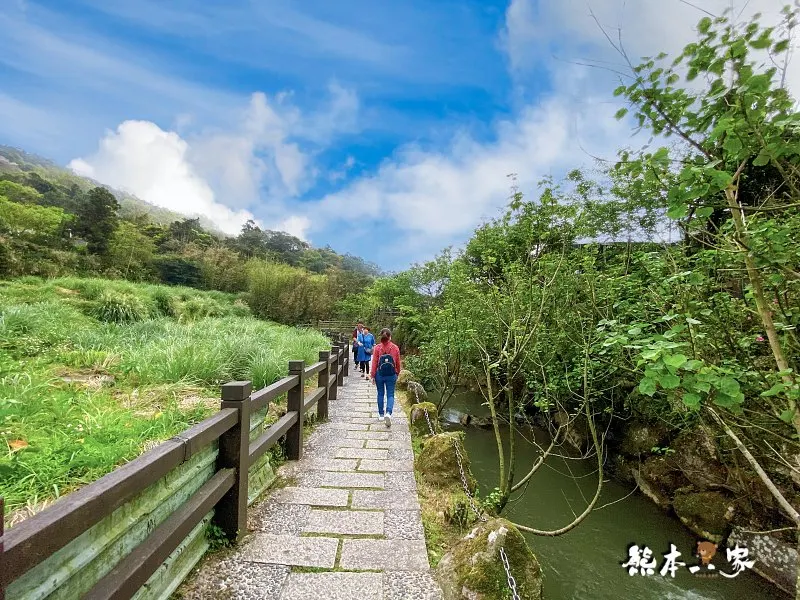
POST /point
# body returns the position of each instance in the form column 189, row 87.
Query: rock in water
column 404, row 378
column 416, row 393
column 473, row 569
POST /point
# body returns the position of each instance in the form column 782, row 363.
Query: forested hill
column 53, row 222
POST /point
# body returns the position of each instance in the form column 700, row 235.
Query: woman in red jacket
column 384, row 371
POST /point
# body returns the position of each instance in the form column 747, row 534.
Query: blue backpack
column 386, row 365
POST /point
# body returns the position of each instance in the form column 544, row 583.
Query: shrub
column 164, row 302
column 198, row 308
column 115, row 307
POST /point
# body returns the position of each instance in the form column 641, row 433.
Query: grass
column 93, row 372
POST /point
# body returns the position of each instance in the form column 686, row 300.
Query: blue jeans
column 385, row 388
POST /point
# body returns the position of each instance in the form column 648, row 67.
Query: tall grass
column 159, row 344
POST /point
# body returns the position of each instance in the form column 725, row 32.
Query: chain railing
column 512, row 583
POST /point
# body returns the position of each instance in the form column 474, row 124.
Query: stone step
column 345, row 522
column 291, row 550
column 333, row 586
column 311, row 496
column 384, row 555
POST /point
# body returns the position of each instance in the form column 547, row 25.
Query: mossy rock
column 438, row 465
column 708, row 514
column 419, row 424
column 474, row 570
column 404, row 378
column 416, row 393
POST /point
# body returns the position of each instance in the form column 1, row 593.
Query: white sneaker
column 380, row 418
column 387, row 420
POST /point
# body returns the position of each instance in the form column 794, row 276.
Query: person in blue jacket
column 366, row 343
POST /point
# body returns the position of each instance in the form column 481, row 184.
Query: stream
column 586, row 563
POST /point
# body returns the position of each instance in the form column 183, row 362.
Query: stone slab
column 345, row 522
column 386, row 465
column 311, row 496
column 395, row 499
column 235, row 579
column 368, row 435
column 335, row 441
column 326, row 464
column 334, row 586
column 386, row 444
column 348, row 426
column 407, row 585
column 384, row 555
column 291, row 550
column 370, row 453
column 272, row 517
column 400, row 480
column 351, row 480
column 403, row 525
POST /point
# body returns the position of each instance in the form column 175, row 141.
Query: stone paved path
column 349, row 528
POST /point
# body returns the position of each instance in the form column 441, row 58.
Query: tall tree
column 97, row 219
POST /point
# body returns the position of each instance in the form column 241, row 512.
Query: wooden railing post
column 322, row 381
column 234, row 452
column 2, row 545
column 340, row 363
column 334, row 392
column 347, row 352
column 294, row 401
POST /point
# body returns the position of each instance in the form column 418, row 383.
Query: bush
column 115, row 307
column 164, row 302
column 198, row 308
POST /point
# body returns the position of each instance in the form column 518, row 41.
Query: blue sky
column 385, row 129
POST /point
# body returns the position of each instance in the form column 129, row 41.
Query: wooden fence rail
column 43, row 535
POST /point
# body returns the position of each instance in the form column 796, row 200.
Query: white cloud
column 436, row 197
column 144, row 160
column 258, row 164
column 646, row 27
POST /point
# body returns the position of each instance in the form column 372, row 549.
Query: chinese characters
column 642, row 561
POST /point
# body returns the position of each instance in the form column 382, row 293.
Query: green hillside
column 54, row 224
column 93, row 372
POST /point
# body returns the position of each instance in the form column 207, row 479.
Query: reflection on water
column 585, row 564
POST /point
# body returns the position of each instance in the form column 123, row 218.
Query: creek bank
column 466, row 554
column 694, row 477
column 713, row 493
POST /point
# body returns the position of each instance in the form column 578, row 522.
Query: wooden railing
column 40, row 537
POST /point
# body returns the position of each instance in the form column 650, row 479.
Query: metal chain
column 512, row 583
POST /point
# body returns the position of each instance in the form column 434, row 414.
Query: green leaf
column 704, row 25
column 620, row 90
column 774, row 390
column 693, row 365
column 677, row 211
column 733, row 144
column 691, row 400
column 724, row 400
column 761, row 160
column 781, row 46
column 621, row 113
column 647, row 386
column 704, row 212
column 729, row 386
column 675, row 360
column 669, row 381
column 787, row 416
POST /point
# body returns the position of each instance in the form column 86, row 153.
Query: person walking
column 356, row 331
column 383, row 373
column 366, row 343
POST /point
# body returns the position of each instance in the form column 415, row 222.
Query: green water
column 585, row 563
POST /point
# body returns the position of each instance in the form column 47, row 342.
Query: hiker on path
column 356, row 331
column 384, row 371
column 366, row 343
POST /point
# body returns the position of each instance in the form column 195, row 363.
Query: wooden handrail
column 36, row 539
